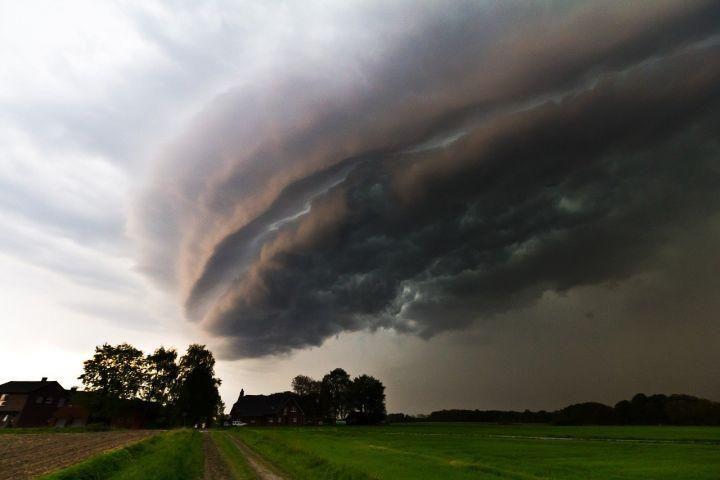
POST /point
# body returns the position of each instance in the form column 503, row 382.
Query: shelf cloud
column 447, row 164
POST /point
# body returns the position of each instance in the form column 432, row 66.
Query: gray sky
column 485, row 204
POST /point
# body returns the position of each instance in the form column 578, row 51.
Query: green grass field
column 472, row 451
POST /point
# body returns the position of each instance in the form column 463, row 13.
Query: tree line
column 184, row 390
column 179, row 391
column 640, row 410
column 360, row 400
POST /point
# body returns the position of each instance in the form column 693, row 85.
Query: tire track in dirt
column 215, row 466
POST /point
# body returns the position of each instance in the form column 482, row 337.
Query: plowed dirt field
column 24, row 456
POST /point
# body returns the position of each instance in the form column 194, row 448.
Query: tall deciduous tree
column 198, row 399
column 161, row 375
column 367, row 399
column 115, row 371
column 303, row 385
column 335, row 391
column 308, row 391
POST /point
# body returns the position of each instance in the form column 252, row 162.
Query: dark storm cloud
column 582, row 144
column 551, row 198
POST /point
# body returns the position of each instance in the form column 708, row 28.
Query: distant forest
column 641, row 410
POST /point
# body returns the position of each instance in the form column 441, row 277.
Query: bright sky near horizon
column 407, row 190
column 89, row 91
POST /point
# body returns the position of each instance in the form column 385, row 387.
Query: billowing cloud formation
column 474, row 158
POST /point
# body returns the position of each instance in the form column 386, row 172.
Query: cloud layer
column 440, row 167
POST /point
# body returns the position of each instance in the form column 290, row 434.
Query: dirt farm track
column 24, row 456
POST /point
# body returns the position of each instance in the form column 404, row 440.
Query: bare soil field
column 24, row 456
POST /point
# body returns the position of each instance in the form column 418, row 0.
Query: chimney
column 44, row 379
column 242, row 393
column 73, row 389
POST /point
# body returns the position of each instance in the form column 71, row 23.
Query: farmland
column 26, row 455
column 176, row 455
column 463, row 451
column 411, row 451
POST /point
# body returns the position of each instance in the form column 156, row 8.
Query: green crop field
column 471, row 451
column 412, row 451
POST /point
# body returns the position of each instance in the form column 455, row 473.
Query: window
column 49, row 400
column 61, row 402
column 271, row 420
column 3, row 399
column 292, row 409
column 6, row 418
column 294, row 419
column 38, row 399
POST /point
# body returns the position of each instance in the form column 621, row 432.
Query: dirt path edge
column 215, row 466
column 260, row 466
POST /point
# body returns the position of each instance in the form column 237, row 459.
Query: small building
column 30, row 403
column 85, row 407
column 135, row 414
column 74, row 413
column 271, row 410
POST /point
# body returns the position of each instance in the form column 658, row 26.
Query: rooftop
column 259, row 405
column 26, row 386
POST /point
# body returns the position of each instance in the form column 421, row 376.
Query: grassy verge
column 233, row 457
column 171, row 456
column 299, row 463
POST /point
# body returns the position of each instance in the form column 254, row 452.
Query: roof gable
column 26, row 387
column 259, row 405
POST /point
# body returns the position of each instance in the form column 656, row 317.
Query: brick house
column 73, row 414
column 271, row 410
column 31, row 403
column 84, row 407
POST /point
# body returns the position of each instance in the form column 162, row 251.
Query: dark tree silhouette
column 161, row 373
column 303, row 385
column 198, row 399
column 115, row 371
column 367, row 400
column 337, row 397
column 308, row 392
column 335, row 390
column 640, row 410
column 588, row 413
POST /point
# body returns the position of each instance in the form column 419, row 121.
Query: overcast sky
column 485, row 204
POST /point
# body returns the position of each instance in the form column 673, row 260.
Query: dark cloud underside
column 470, row 169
